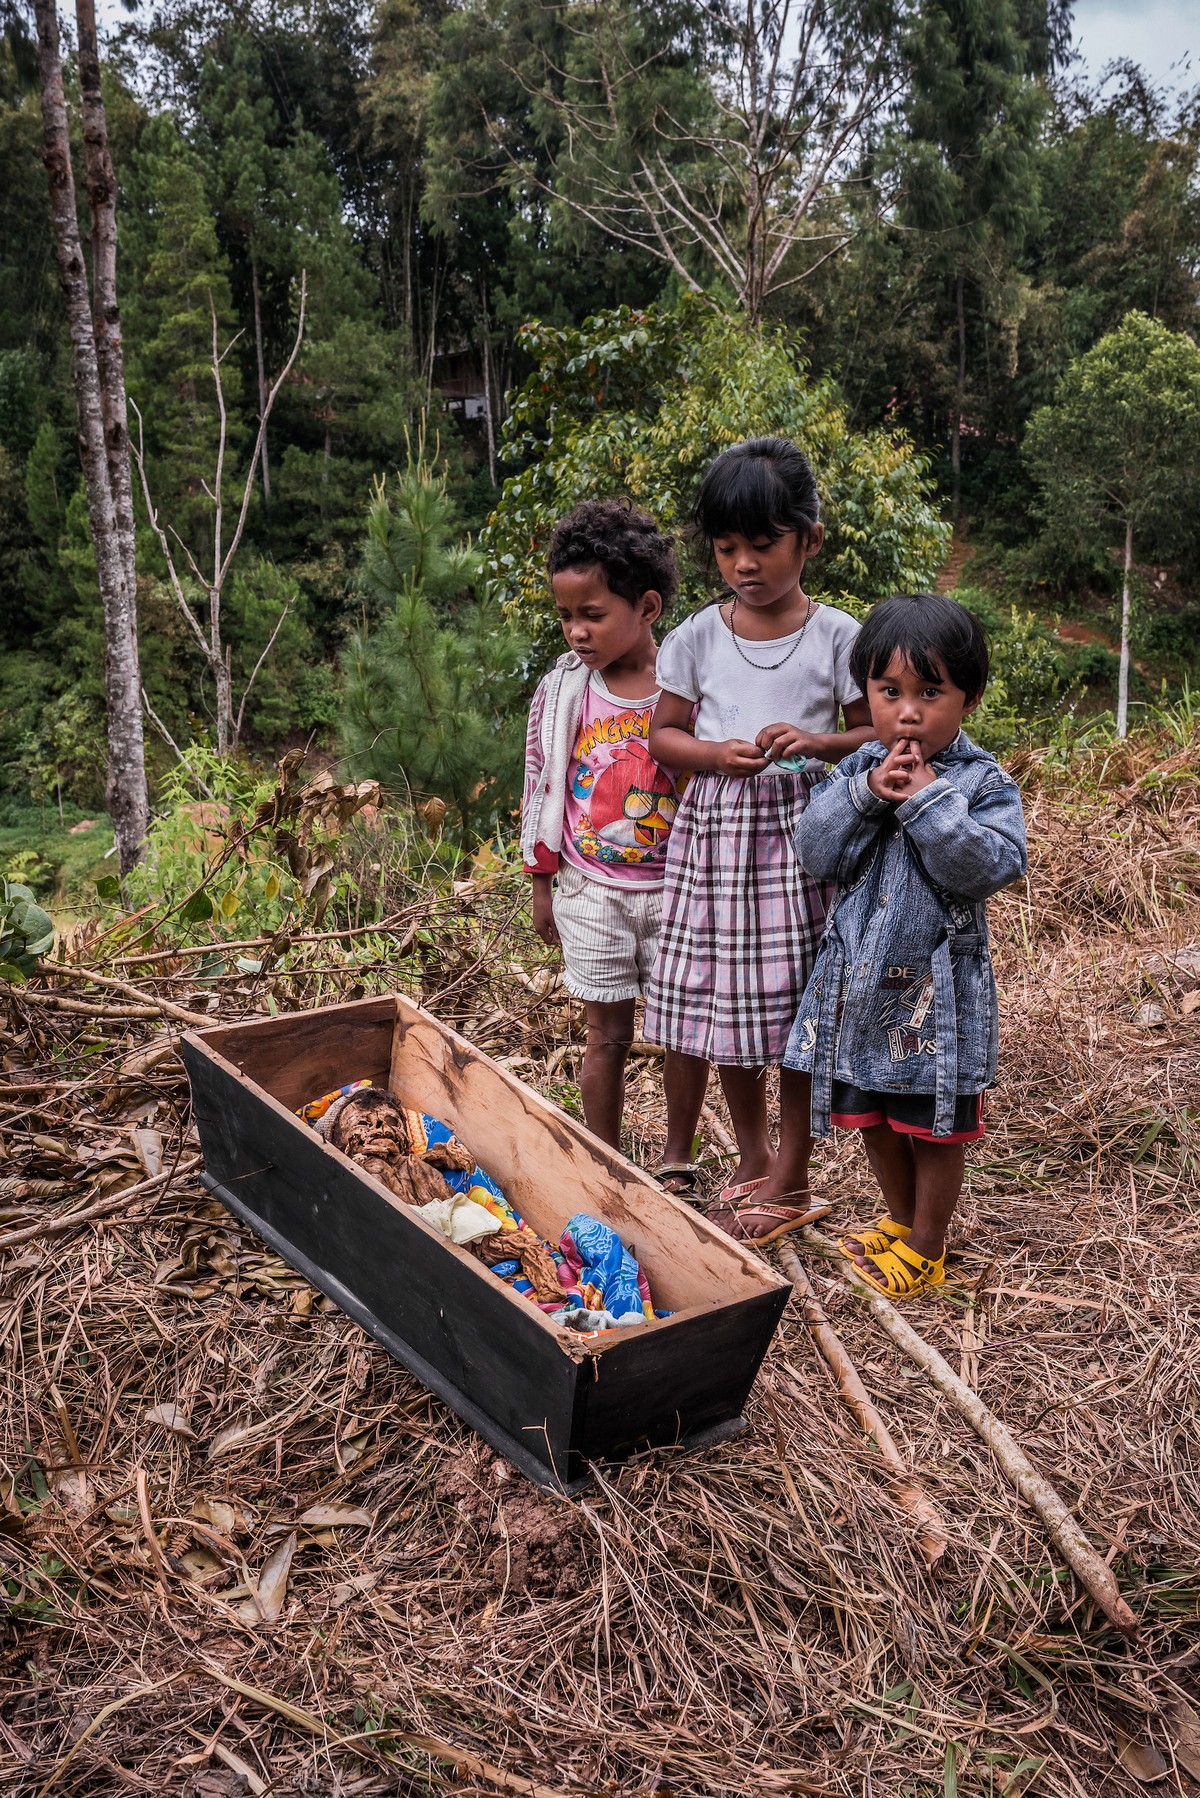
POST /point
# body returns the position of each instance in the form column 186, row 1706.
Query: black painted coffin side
column 676, row 1384
column 484, row 1350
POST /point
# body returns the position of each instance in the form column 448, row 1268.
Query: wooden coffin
column 551, row 1402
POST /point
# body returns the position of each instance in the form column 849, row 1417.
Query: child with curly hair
column 597, row 808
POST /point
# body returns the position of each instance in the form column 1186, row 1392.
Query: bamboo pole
column 1094, row 1574
column 88, row 1008
column 932, row 1534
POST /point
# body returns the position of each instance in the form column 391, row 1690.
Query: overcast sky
column 1158, row 34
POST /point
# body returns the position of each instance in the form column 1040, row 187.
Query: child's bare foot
column 901, row 1271
column 887, row 1230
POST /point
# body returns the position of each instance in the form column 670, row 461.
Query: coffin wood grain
column 550, row 1167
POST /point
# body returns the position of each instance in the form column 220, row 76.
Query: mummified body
column 370, row 1127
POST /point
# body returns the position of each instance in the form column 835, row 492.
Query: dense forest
column 524, row 252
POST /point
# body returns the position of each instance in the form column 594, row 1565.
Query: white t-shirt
column 699, row 660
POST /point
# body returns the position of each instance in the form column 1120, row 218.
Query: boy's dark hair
column 760, row 488
column 936, row 636
column 625, row 544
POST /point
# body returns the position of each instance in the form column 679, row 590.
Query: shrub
column 638, row 403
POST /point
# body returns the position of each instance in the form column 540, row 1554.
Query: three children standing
column 891, row 1028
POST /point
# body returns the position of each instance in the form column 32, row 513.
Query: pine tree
column 184, row 281
column 432, row 696
column 242, row 134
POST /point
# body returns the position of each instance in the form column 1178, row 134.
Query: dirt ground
column 246, row 1552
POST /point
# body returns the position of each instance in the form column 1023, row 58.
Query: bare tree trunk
column 487, row 385
column 431, row 347
column 100, row 402
column 1126, row 609
column 217, row 653
column 409, row 322
column 106, row 314
column 223, row 677
column 959, row 393
column 262, row 377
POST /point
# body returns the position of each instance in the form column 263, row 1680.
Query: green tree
column 1120, row 221
column 432, row 694
column 969, row 163
column 242, row 153
column 31, row 309
column 183, row 281
column 704, row 137
column 639, row 403
column 1121, row 445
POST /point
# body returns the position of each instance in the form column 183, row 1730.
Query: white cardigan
column 550, row 742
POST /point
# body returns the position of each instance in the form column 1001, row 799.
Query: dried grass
column 753, row 1619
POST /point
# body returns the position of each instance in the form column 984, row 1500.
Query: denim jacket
column 902, row 996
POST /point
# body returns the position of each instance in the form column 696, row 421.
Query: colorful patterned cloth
column 425, row 1132
column 597, row 1273
column 605, row 1274
column 315, row 1110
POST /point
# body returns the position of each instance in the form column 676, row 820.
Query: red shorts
column 910, row 1114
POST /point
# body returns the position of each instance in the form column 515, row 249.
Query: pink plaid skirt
column 741, row 922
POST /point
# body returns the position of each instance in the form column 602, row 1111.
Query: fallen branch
column 720, row 1134
column 932, row 1534
column 85, row 1008
column 1094, row 1574
column 384, row 927
column 56, row 1226
column 192, row 1018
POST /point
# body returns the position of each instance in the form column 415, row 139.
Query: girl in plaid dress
column 751, row 695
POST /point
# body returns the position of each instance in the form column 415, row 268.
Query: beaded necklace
column 769, row 667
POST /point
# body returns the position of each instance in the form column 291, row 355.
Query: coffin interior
column 548, row 1165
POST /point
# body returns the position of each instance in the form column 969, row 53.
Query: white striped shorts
column 609, row 935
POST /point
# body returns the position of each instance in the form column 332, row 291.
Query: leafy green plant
column 26, row 931
column 233, row 853
column 1031, row 678
column 638, row 403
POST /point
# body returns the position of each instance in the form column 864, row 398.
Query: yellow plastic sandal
column 901, row 1274
column 878, row 1237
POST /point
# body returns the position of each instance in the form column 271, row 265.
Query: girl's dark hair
column 936, row 636
column 625, row 544
column 761, row 488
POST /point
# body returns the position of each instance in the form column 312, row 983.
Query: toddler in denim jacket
column 898, row 1024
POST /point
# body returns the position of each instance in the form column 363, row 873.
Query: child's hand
column 893, row 779
column 543, row 910
column 786, row 743
column 738, row 757
column 922, row 775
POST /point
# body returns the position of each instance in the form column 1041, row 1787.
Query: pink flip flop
column 728, row 1199
column 731, row 1195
